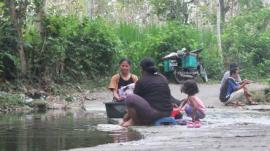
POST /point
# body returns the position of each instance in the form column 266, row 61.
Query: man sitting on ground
column 231, row 90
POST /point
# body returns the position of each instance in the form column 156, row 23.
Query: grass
column 137, row 41
column 262, row 96
column 10, row 101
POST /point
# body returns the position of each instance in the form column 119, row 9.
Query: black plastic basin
column 115, row 109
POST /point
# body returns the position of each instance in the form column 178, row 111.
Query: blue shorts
column 198, row 114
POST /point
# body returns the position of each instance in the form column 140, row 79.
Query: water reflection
column 123, row 136
column 55, row 130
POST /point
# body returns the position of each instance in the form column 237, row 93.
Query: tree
column 171, row 9
column 224, row 8
column 17, row 10
column 40, row 14
column 219, row 28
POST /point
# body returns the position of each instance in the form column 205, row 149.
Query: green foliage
column 10, row 101
column 249, row 5
column 246, row 41
column 177, row 36
column 157, row 41
column 8, row 41
column 170, row 9
column 71, row 49
column 268, row 81
column 136, row 41
column 92, row 49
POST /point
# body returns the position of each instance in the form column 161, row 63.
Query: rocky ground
column 224, row 128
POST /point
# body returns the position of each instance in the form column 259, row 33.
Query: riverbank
column 20, row 102
column 24, row 96
column 224, row 128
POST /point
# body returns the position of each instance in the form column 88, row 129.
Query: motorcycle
column 184, row 65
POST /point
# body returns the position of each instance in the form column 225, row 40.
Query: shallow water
column 223, row 117
column 56, row 130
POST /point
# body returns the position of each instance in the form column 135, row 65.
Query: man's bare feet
column 252, row 103
column 235, row 104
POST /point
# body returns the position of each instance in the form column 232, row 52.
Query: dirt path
column 224, row 128
column 208, row 93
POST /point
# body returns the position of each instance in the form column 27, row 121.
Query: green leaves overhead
column 246, row 41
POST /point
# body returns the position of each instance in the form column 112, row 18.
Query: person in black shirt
column 151, row 99
column 122, row 79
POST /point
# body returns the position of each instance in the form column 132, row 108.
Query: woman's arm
column 113, row 86
column 183, row 103
column 116, row 95
column 134, row 78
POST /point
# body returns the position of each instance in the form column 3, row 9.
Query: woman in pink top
column 194, row 107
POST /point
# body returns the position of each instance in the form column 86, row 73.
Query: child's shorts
column 198, row 114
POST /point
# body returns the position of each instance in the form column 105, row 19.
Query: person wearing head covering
column 151, row 99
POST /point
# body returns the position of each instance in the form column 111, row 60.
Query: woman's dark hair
column 125, row 59
column 190, row 87
column 148, row 65
column 233, row 71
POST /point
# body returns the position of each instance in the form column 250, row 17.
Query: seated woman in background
column 151, row 99
column 122, row 79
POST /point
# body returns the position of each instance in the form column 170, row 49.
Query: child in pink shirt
column 193, row 105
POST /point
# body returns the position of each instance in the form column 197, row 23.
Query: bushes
column 71, row 48
column 92, row 50
column 7, row 46
column 10, row 101
column 137, row 42
column 158, row 40
column 246, row 41
column 67, row 48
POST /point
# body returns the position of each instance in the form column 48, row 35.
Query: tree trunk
column 40, row 11
column 91, row 7
column 219, row 30
column 18, row 28
column 222, row 10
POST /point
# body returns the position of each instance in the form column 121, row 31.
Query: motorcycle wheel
column 203, row 74
column 178, row 78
